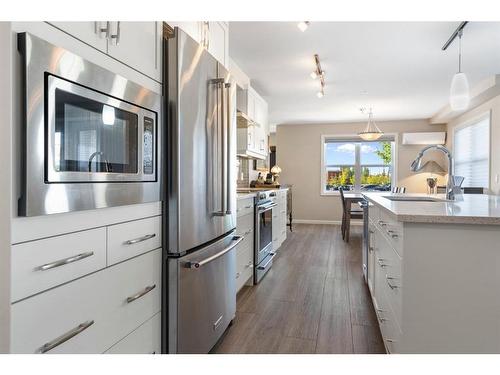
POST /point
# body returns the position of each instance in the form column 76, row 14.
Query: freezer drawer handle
column 63, row 338
column 140, row 239
column 267, row 263
column 64, row 261
column 140, row 294
column 195, row 265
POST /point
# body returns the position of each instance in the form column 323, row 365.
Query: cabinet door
column 137, row 44
column 218, row 42
column 193, row 29
column 88, row 32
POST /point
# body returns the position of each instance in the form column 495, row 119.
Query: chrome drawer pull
column 381, row 263
column 64, row 261
column 63, row 338
column 392, row 234
column 382, row 223
column 140, row 294
column 140, row 239
column 387, row 278
column 250, row 265
column 371, row 249
column 371, row 232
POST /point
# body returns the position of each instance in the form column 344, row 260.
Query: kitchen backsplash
column 246, row 173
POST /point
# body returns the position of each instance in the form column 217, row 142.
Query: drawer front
column 391, row 277
column 244, row 265
column 98, row 300
column 144, row 340
column 44, row 264
column 245, row 206
column 393, row 230
column 242, row 278
column 130, row 239
column 245, row 225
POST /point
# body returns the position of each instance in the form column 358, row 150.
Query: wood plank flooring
column 313, row 300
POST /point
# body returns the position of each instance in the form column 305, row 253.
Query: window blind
column 472, row 153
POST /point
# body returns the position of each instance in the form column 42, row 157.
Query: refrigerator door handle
column 229, row 209
column 224, row 136
column 195, row 265
column 215, row 155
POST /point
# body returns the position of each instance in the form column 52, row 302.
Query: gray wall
column 298, row 149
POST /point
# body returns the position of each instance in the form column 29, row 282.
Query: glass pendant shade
column 459, row 92
column 371, row 132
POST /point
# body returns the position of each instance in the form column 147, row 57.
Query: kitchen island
column 434, row 272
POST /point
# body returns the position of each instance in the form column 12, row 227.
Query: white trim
column 327, row 222
column 353, row 138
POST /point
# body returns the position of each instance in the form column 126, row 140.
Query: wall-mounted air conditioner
column 424, row 138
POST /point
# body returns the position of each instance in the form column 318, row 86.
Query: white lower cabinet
column 144, row 340
column 245, row 250
column 279, row 219
column 91, row 314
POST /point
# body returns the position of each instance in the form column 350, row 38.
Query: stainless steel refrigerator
column 199, row 291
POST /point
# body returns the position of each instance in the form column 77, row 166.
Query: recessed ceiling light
column 303, row 25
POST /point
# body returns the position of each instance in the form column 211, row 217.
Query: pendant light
column 459, row 90
column 371, row 132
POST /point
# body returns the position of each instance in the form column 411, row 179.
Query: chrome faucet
column 101, row 154
column 452, row 188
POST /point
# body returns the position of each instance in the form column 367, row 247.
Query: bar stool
column 347, row 214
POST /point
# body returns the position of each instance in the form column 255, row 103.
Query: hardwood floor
column 313, row 300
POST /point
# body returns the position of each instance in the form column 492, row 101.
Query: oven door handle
column 267, row 263
column 266, row 207
column 195, row 265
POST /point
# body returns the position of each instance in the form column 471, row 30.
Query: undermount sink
column 412, row 199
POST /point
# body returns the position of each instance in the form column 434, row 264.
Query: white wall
column 492, row 105
column 298, row 151
column 5, row 181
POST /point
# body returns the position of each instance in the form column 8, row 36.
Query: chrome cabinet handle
column 392, row 234
column 196, row 265
column 248, row 206
column 250, row 264
column 99, row 30
column 140, row 294
column 371, row 232
column 64, row 261
column 65, row 337
column 381, row 263
column 238, row 275
column 382, row 223
column 388, row 278
column 116, row 36
column 140, row 239
column 371, row 249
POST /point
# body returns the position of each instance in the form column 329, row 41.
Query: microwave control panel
column 148, row 146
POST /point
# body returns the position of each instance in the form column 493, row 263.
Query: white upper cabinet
column 218, row 41
column 137, row 44
column 193, row 29
column 90, row 32
column 214, row 36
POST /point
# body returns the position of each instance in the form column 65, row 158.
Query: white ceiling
column 398, row 68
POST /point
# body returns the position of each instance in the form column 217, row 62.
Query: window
column 357, row 166
column 471, row 151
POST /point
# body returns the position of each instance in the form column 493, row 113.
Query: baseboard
column 327, row 222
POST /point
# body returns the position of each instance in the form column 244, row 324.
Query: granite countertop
column 467, row 209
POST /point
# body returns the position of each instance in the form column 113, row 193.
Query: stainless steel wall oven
column 91, row 136
column 263, row 234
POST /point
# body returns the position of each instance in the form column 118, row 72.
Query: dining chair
column 347, row 214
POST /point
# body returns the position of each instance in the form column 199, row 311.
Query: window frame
column 470, row 122
column 354, row 138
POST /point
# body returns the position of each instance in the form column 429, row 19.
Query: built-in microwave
column 91, row 137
